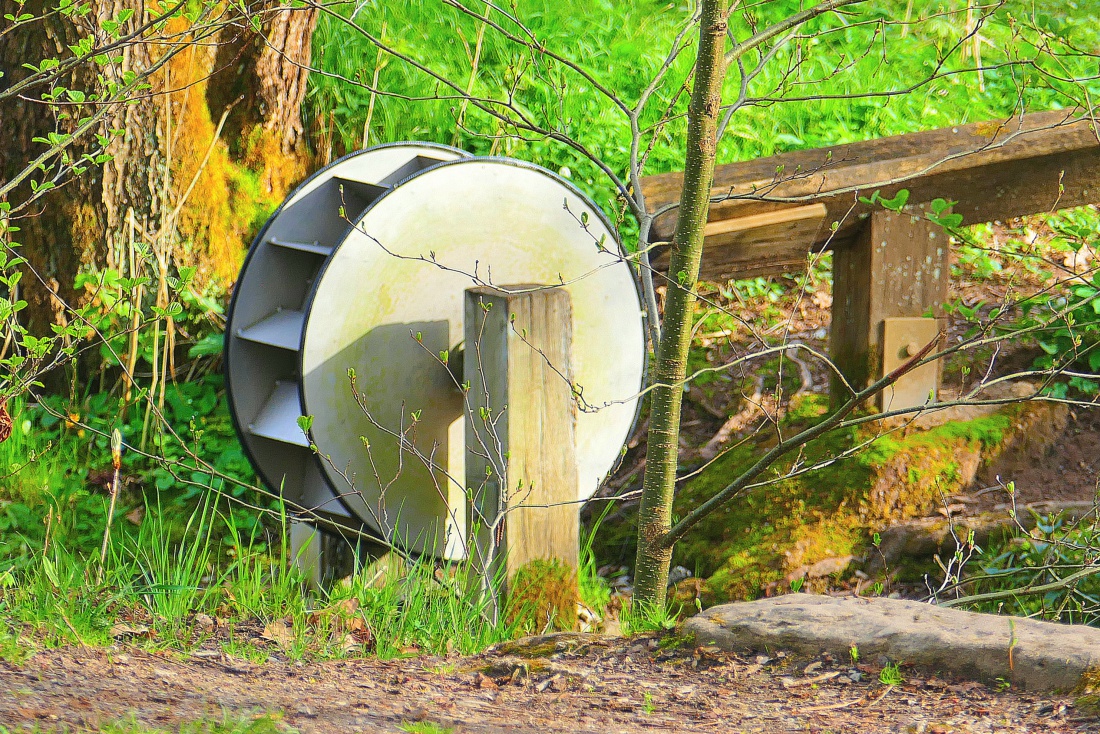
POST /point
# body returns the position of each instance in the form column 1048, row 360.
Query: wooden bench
column 768, row 214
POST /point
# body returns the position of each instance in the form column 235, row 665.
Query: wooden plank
column 995, row 170
column 849, row 328
column 759, row 240
column 909, row 263
column 517, row 363
column 898, row 266
column 902, row 339
column 800, row 218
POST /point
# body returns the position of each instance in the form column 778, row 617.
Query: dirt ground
column 1069, row 471
column 591, row 684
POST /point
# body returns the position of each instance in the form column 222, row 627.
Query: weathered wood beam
column 995, row 170
column 521, row 423
column 898, row 266
column 755, row 244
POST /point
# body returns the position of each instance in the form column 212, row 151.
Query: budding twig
column 116, row 462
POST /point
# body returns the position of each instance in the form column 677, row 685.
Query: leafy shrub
column 1052, row 552
column 58, row 461
column 1072, row 341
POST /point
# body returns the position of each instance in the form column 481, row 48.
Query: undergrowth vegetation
column 259, row 724
column 808, row 518
column 207, row 583
column 198, row 553
column 1039, row 574
column 190, row 562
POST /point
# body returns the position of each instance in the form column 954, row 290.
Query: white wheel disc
column 404, row 271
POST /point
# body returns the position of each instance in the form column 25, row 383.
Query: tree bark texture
column 177, row 179
column 655, row 514
column 74, row 226
column 262, row 76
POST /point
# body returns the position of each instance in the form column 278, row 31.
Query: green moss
column 988, row 430
column 544, row 646
column 1088, row 704
column 676, row 641
column 1088, row 692
column 238, row 178
column 1090, row 681
column 536, row 663
column 759, row 537
column 752, row 544
column 252, row 204
column 543, row 596
column 807, row 407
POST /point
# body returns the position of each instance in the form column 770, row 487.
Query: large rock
column 1042, row 656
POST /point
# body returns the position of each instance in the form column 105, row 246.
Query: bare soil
column 1069, row 471
column 593, row 684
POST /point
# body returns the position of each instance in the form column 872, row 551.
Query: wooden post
column 326, row 548
column 897, row 266
column 520, row 437
column 305, row 552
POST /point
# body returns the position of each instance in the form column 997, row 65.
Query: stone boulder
column 1029, row 654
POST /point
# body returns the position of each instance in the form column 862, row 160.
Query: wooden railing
column 767, row 214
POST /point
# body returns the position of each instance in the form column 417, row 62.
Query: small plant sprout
column 891, row 675
column 853, row 651
column 796, row 585
column 116, row 464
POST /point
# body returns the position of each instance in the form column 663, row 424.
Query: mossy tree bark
column 175, row 175
column 75, row 225
column 262, row 76
column 655, row 514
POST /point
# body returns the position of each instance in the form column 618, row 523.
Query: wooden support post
column 326, row 555
column 520, row 445
column 305, row 552
column 897, row 266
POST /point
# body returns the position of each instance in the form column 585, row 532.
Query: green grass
column 636, row 619
column 891, row 675
column 158, row 588
column 174, row 565
column 424, row 727
column 176, row 553
column 623, row 44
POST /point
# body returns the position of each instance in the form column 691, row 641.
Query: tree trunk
column 282, row 71
column 262, row 79
column 79, row 225
column 655, row 514
column 196, row 190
